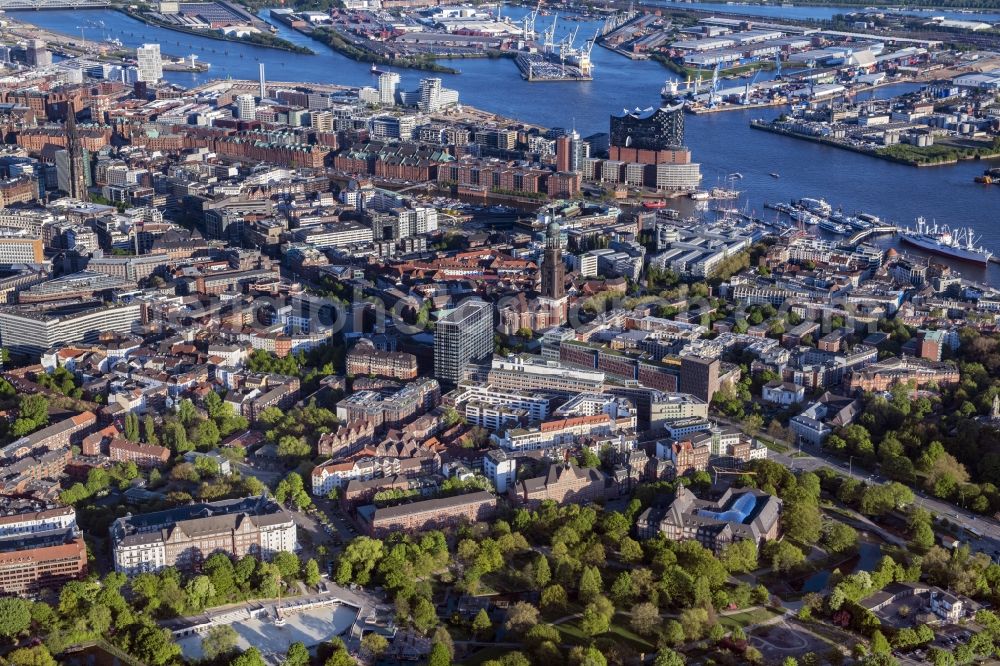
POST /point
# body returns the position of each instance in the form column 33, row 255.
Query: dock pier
column 885, row 229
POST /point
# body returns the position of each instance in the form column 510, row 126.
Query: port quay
column 722, row 142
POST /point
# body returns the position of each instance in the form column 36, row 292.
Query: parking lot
column 948, row 638
column 337, row 526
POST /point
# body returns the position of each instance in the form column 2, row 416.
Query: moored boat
column 953, row 243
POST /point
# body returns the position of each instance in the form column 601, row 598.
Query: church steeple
column 77, row 179
column 553, row 269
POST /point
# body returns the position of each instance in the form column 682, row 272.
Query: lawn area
column 619, row 632
column 484, row 655
column 773, row 445
column 746, row 618
column 623, row 633
column 938, row 153
column 572, row 634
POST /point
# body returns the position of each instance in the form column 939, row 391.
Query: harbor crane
column 746, row 92
column 550, row 35
column 581, row 56
column 566, row 43
column 529, row 25
column 715, row 85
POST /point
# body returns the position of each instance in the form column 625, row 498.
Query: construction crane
column 729, row 472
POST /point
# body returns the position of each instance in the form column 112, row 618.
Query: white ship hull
column 977, row 255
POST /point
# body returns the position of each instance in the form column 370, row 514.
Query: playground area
column 311, row 627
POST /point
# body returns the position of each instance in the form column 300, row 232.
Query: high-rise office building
column 38, row 54
column 462, row 336
column 430, row 95
column 246, row 107
column 563, row 156
column 700, row 376
column 149, row 62
column 387, row 84
column 262, row 92
column 579, row 150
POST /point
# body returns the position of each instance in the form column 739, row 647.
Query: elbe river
column 723, row 142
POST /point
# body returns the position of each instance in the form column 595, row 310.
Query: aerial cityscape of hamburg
column 515, row 333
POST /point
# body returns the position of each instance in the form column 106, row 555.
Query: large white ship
column 957, row 243
column 817, row 206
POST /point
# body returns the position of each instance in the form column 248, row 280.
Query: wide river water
column 809, row 12
column 723, row 142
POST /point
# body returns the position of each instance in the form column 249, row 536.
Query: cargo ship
column 957, row 244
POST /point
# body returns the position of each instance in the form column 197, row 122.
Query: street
column 814, row 458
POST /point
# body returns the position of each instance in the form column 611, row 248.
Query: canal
column 721, row 142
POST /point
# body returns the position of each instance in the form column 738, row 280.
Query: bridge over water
column 871, row 231
column 8, row 5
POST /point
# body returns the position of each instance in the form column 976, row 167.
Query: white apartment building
column 500, row 469
column 562, row 432
column 149, row 63
column 32, row 332
column 528, row 373
column 185, row 536
column 18, row 524
column 246, row 107
column 19, row 247
column 534, row 405
column 335, row 235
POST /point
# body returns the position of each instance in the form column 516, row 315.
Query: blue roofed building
column 739, row 514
